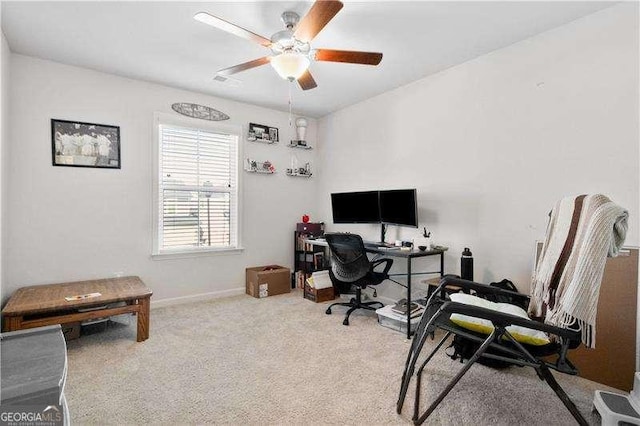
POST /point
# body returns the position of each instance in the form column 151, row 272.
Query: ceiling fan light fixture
column 291, row 52
column 290, row 65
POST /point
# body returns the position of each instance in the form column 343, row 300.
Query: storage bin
column 395, row 321
column 318, row 295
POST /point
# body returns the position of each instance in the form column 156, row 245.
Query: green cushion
column 480, row 325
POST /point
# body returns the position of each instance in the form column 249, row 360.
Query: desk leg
column 12, row 323
column 443, row 294
column 408, row 298
column 143, row 319
column 304, row 266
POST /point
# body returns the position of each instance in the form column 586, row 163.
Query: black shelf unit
column 307, row 258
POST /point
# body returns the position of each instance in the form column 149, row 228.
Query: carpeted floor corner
column 281, row 360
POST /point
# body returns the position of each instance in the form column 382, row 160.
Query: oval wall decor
column 199, row 111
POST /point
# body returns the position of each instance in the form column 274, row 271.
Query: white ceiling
column 160, row 42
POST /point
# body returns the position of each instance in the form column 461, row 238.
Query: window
column 197, row 190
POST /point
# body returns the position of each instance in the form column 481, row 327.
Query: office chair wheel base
column 346, row 321
column 328, row 311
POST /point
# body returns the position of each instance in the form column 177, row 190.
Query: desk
column 409, row 255
column 41, row 305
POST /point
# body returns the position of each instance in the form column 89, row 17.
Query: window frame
column 169, row 120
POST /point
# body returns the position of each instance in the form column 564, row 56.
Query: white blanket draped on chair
column 581, row 233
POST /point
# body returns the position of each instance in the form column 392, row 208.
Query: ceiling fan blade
column 348, row 56
column 306, row 81
column 221, row 24
column 313, row 22
column 245, row 66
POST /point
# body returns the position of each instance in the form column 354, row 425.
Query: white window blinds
column 197, row 189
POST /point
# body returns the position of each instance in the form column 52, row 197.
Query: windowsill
column 168, row 255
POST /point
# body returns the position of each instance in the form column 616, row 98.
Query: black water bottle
column 466, row 265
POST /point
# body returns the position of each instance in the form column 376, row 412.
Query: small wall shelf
column 260, row 172
column 259, row 140
column 300, row 175
column 296, row 144
column 261, row 167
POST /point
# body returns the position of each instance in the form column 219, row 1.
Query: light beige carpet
column 281, row 360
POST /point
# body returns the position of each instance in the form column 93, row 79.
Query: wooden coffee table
column 41, row 305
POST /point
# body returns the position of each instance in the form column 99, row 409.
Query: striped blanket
column 581, row 233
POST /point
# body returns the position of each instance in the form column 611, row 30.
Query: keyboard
column 378, row 244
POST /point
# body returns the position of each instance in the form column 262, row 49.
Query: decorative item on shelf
column 299, row 144
column 305, row 218
column 300, row 171
column 265, row 167
column 301, row 128
column 301, row 134
column 262, row 133
column 78, row 144
column 201, row 112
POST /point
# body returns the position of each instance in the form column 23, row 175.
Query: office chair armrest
column 504, row 320
column 378, row 262
column 479, row 287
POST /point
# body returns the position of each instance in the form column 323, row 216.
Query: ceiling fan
column 292, row 52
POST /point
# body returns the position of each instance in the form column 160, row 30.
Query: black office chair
column 351, row 271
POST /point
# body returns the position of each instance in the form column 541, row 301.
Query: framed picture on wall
column 262, row 133
column 78, row 144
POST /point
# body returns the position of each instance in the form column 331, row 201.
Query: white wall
column 491, row 144
column 5, row 58
column 72, row 224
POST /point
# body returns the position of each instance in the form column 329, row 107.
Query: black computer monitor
column 355, row 207
column 399, row 207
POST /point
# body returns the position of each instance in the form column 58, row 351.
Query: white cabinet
column 34, row 370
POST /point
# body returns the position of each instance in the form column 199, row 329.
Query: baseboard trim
column 233, row 292
column 196, row 297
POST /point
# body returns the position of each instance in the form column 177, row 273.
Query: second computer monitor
column 398, row 207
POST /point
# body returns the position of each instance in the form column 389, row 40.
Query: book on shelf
column 300, row 242
column 318, row 260
column 309, row 258
column 300, row 279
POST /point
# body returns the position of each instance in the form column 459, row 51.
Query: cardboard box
column 318, row 295
column 263, row 281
